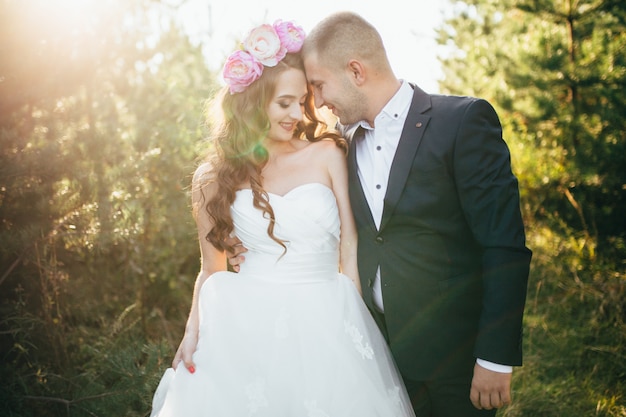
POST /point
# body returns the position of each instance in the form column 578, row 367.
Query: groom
column 442, row 254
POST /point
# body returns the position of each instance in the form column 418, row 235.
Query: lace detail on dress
column 312, row 410
column 255, row 392
column 281, row 325
column 364, row 349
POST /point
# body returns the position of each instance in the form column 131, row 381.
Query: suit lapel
column 412, row 133
column 360, row 207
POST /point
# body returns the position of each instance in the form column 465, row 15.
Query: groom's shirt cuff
column 495, row 367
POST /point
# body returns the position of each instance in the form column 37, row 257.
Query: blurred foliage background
column 101, row 126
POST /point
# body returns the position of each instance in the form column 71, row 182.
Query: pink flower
column 264, row 45
column 290, row 35
column 241, row 70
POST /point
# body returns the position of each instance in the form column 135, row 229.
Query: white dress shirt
column 374, row 155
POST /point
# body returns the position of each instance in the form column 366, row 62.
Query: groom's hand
column 235, row 257
column 490, row 389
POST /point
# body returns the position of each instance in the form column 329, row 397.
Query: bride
column 287, row 336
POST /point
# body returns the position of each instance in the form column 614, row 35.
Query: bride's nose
column 296, row 112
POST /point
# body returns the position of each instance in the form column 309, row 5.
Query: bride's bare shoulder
column 203, row 173
column 203, row 181
column 325, row 148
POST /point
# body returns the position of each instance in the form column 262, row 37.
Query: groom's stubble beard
column 353, row 105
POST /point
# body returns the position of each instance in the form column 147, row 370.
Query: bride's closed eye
column 284, row 105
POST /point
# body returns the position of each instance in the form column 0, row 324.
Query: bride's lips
column 288, row 126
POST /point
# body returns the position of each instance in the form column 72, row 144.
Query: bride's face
column 286, row 108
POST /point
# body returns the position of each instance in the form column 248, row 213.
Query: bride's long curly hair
column 238, row 156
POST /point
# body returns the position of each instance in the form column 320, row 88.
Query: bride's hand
column 185, row 353
column 235, row 257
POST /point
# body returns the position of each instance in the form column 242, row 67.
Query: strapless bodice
column 307, row 220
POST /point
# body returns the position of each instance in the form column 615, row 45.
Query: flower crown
column 265, row 45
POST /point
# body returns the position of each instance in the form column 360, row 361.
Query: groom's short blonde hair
column 344, row 36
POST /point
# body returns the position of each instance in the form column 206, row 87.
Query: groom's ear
column 356, row 71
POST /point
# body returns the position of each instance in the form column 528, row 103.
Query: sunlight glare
column 73, row 17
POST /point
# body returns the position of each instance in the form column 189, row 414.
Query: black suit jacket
column 451, row 245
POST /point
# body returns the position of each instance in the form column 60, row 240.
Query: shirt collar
column 396, row 108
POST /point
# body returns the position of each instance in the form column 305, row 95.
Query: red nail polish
column 192, row 369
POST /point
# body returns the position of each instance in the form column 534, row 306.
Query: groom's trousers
column 448, row 397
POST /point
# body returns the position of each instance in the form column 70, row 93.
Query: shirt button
column 378, row 148
column 380, row 240
column 378, row 186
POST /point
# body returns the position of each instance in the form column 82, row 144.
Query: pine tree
column 556, row 72
column 101, row 125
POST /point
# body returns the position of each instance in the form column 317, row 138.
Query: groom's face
column 332, row 88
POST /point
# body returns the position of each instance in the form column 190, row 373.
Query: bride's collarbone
column 279, row 174
column 290, row 171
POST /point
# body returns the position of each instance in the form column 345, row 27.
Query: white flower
column 263, row 43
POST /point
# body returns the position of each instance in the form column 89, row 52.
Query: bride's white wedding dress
column 287, row 336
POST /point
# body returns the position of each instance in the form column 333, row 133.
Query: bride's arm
column 337, row 167
column 212, row 260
